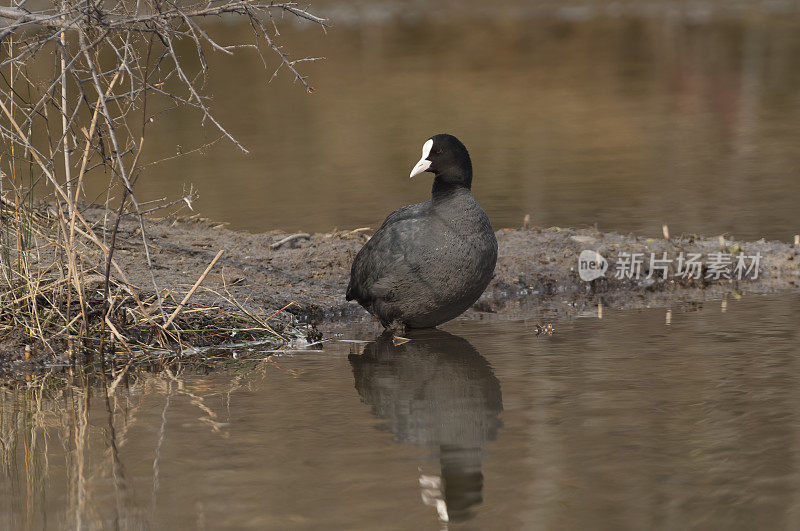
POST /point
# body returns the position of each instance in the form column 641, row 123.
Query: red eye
column 438, row 151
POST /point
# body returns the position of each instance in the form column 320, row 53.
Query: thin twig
column 292, row 238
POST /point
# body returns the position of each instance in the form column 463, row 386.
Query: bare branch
column 88, row 115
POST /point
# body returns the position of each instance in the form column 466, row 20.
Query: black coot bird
column 431, row 261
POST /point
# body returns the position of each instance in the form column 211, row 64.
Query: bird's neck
column 445, row 186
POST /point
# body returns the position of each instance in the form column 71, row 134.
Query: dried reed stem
column 194, row 288
column 110, row 58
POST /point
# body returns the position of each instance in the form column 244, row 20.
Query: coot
column 431, row 261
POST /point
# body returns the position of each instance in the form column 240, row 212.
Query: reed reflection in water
column 51, row 438
column 62, row 447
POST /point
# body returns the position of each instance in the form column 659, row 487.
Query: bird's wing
column 386, row 255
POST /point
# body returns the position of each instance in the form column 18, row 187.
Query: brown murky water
column 642, row 420
column 623, row 114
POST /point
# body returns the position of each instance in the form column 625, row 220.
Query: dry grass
column 79, row 85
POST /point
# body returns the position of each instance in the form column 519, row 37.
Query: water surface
column 638, row 420
column 623, row 114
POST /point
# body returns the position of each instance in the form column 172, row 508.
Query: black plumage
column 431, row 261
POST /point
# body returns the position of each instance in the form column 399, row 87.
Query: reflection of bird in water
column 435, row 390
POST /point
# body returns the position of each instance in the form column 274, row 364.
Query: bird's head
column 447, row 158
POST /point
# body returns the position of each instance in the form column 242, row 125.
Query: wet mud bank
column 536, row 268
column 537, row 277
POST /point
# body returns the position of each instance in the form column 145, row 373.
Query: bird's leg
column 396, row 328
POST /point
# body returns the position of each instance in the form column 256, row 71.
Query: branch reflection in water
column 84, row 429
column 435, row 390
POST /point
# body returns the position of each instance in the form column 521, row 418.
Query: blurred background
column 622, row 114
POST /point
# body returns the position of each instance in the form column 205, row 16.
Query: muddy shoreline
column 536, row 275
column 536, row 268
